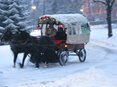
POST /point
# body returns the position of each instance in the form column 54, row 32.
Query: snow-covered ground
column 99, row 69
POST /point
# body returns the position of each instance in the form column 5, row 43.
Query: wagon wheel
column 81, row 54
column 63, row 57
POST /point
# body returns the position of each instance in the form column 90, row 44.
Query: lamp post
column 43, row 7
column 34, row 14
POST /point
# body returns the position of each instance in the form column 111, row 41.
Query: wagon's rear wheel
column 81, row 54
column 63, row 57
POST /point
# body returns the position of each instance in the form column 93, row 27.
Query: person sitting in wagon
column 60, row 36
column 51, row 31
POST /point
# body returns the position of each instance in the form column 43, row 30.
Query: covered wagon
column 76, row 27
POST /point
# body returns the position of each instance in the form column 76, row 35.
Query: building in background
column 93, row 11
column 97, row 11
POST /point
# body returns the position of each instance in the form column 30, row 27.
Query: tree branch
column 103, row 2
column 112, row 2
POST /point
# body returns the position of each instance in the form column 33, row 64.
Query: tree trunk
column 110, row 34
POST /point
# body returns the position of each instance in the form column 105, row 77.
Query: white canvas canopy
column 77, row 26
column 70, row 18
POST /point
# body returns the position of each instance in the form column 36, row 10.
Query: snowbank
column 90, row 78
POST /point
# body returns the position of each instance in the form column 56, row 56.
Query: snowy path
column 29, row 75
column 99, row 69
column 108, row 60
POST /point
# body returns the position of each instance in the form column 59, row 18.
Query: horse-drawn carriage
column 60, row 35
column 70, row 33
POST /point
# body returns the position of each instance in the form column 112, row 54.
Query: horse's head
column 7, row 35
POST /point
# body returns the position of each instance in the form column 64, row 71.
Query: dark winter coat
column 60, row 35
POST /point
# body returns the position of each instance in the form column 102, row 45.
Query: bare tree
column 109, row 5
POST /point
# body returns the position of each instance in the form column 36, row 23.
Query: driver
column 51, row 31
column 60, row 34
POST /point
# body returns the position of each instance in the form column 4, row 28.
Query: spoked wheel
column 63, row 57
column 81, row 54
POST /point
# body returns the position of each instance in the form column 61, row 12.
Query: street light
column 34, row 7
column 81, row 10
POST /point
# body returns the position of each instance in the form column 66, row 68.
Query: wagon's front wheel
column 63, row 57
column 81, row 54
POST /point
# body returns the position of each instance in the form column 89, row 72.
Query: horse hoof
column 13, row 66
column 21, row 66
column 37, row 66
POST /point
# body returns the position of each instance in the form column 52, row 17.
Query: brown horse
column 41, row 50
column 19, row 43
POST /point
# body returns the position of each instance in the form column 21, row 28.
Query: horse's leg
column 24, row 57
column 37, row 64
column 37, row 61
column 15, row 58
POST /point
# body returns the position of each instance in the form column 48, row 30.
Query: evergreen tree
column 13, row 15
column 25, row 14
column 3, row 9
